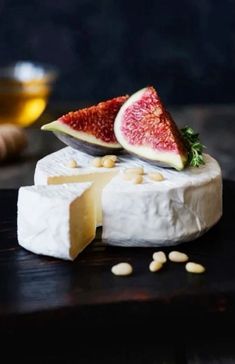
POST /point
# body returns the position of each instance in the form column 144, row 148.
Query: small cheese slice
column 57, row 221
column 177, row 209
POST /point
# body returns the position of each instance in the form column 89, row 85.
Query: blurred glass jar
column 24, row 91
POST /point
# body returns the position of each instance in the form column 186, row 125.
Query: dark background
column 104, row 48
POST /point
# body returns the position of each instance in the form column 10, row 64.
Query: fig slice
column 146, row 129
column 90, row 129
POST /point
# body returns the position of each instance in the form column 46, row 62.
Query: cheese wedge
column 58, row 221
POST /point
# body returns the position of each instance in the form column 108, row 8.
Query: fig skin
column 86, row 147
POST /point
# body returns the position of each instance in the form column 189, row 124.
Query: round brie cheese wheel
column 179, row 208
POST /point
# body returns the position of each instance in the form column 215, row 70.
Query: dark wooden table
column 79, row 311
column 53, row 311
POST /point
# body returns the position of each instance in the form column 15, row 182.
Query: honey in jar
column 24, row 92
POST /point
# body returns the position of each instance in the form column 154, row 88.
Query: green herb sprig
column 194, row 146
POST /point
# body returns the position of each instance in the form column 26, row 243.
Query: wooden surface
column 215, row 123
column 46, row 298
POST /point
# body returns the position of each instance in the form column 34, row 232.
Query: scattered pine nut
column 178, row 257
column 132, row 173
column 154, row 266
column 138, row 180
column 194, row 268
column 135, row 170
column 159, row 257
column 128, row 176
column 111, row 156
column 155, row 176
column 122, row 269
column 108, row 163
column 72, row 164
column 96, row 162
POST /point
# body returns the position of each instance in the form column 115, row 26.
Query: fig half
column 90, row 129
column 146, row 129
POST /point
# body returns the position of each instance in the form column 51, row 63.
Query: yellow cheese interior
column 99, row 179
column 82, row 222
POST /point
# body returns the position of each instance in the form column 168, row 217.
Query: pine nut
column 111, row 156
column 159, row 257
column 96, row 162
column 128, row 176
column 178, row 257
column 156, row 176
column 194, row 268
column 72, row 164
column 138, row 180
column 108, row 163
column 136, row 170
column 122, row 269
column 154, row 266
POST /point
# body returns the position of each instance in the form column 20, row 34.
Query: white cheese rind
column 179, row 209
column 57, row 165
column 44, row 219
